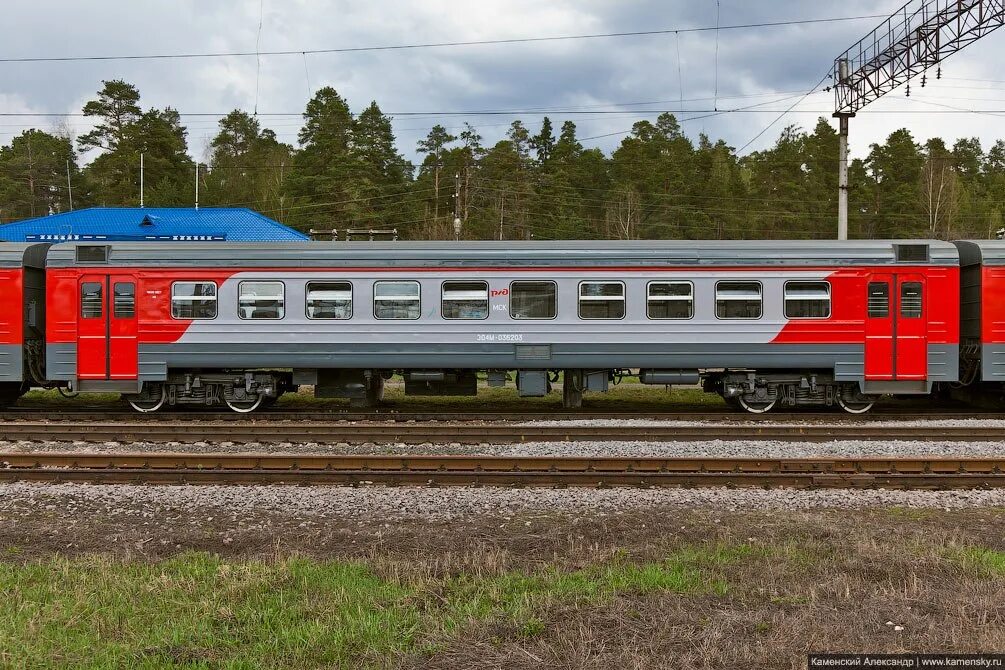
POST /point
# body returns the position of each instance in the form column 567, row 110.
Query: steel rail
column 475, row 433
column 405, row 415
column 529, row 471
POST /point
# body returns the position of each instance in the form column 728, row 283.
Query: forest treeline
column 542, row 182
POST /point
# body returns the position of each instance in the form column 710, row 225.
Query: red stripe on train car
column 11, row 306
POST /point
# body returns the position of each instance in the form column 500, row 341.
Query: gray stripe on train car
column 61, row 361
column 845, row 359
column 11, row 363
column 981, row 252
column 943, row 362
column 993, row 362
column 784, row 253
column 18, row 254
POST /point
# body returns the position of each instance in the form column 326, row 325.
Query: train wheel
column 244, row 406
column 142, row 403
column 733, row 402
column 855, row 405
column 757, row 406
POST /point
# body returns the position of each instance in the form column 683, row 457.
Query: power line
column 569, row 112
column 432, row 45
column 780, row 116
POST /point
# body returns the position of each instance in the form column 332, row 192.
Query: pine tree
column 33, row 174
column 247, row 166
column 321, row 184
column 895, row 169
column 471, row 153
column 118, row 108
column 124, row 133
column 433, row 146
column 544, row 142
column 383, row 175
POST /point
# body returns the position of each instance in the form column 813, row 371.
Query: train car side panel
column 11, row 325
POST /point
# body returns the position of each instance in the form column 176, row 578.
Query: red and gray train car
column 22, row 318
column 982, row 316
column 764, row 324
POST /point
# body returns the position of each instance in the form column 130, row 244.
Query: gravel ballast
column 825, row 421
column 629, row 449
column 193, row 503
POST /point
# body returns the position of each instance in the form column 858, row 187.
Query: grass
column 987, row 562
column 682, row 589
column 519, row 598
column 199, row 611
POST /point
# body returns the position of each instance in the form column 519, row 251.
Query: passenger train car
column 22, row 317
column 763, row 324
column 982, row 305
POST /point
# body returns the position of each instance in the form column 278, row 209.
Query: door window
column 91, row 299
column 879, row 299
column 124, row 305
column 910, row 300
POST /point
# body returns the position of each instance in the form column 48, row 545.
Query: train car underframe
column 243, row 391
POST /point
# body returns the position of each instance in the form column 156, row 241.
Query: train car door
column 911, row 362
column 106, row 328
column 896, row 330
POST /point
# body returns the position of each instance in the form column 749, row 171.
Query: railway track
column 232, row 469
column 405, row 415
column 473, row 433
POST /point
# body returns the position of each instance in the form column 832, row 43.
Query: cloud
column 564, row 75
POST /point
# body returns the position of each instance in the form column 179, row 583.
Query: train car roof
column 981, row 252
column 19, row 254
column 508, row 253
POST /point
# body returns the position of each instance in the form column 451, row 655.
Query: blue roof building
column 174, row 224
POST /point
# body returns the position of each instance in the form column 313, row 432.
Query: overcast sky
column 574, row 75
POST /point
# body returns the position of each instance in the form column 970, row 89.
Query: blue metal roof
column 176, row 224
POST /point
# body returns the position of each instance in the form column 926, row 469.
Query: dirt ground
column 883, row 580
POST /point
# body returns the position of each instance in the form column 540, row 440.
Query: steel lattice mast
column 906, row 44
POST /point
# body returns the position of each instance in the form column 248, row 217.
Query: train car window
column 879, row 299
column 601, row 300
column 670, row 300
column 910, row 300
column 329, row 300
column 396, row 300
column 193, row 300
column 465, row 300
column 91, row 300
column 738, row 300
column 261, row 300
column 807, row 300
column 533, row 300
column 124, row 300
